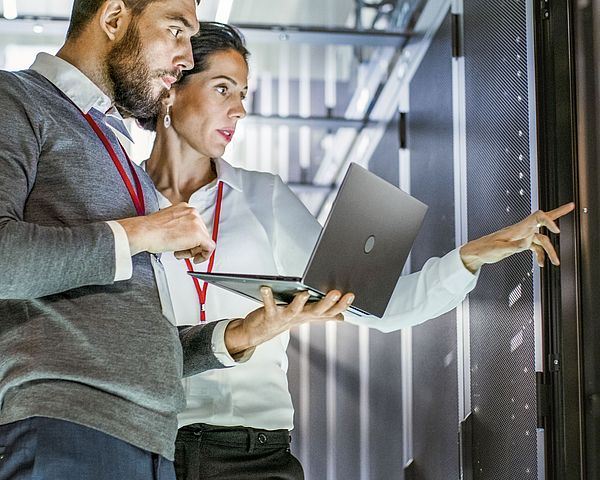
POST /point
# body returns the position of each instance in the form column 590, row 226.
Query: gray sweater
column 74, row 344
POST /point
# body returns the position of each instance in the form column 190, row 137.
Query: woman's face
column 208, row 105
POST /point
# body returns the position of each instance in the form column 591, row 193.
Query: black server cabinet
column 522, row 425
column 568, row 74
column 587, row 52
column 503, row 440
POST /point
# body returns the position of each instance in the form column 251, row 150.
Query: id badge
column 163, row 288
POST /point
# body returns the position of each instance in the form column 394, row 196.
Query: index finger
column 181, row 254
column 561, row 211
column 546, row 219
column 201, row 253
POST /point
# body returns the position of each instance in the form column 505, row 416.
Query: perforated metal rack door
column 499, row 193
column 435, row 380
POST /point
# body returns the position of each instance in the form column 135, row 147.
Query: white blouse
column 265, row 229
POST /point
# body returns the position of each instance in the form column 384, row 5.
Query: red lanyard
column 201, row 290
column 137, row 195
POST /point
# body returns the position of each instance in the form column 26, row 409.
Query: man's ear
column 114, row 18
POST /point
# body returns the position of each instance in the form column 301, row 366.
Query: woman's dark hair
column 212, row 37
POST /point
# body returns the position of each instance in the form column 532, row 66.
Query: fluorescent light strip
column 305, row 105
column 224, row 11
column 304, row 417
column 331, row 402
column 10, row 9
column 330, row 77
column 283, row 102
column 364, row 371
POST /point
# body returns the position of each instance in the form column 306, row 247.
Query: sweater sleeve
column 38, row 260
column 199, row 349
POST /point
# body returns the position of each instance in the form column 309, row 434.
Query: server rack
column 586, row 19
column 567, row 61
column 501, row 120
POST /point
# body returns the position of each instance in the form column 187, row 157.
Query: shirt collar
column 84, row 93
column 228, row 174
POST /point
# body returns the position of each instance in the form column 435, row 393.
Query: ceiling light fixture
column 224, row 11
column 363, row 100
column 10, row 9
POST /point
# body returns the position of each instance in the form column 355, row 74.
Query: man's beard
column 131, row 78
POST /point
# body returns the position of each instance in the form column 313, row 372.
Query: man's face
column 149, row 58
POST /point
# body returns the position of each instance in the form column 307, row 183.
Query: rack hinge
column 543, row 398
column 545, row 10
column 457, row 37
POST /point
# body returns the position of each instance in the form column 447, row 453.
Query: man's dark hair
column 212, row 37
column 84, row 10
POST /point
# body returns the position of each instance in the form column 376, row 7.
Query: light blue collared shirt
column 84, row 93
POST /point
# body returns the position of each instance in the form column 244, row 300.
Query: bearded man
column 90, row 365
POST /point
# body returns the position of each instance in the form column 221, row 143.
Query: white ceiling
column 298, row 12
column 273, row 64
column 51, row 8
column 266, row 57
column 305, row 12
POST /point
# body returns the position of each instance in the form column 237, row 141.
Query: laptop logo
column 370, row 244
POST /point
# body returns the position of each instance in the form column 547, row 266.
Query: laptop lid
column 366, row 240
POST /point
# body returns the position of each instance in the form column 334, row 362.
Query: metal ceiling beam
column 257, row 33
column 55, row 26
column 332, row 123
column 254, row 33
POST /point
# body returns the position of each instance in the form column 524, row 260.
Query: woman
column 237, row 420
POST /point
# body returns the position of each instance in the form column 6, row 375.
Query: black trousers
column 237, row 453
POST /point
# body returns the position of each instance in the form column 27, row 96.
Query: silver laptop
column 362, row 248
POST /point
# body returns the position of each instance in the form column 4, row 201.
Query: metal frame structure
column 256, row 33
column 560, row 399
column 587, row 50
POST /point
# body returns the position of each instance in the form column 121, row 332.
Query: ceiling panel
column 330, row 13
column 45, row 8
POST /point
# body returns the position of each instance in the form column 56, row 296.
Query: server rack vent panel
column 499, row 193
